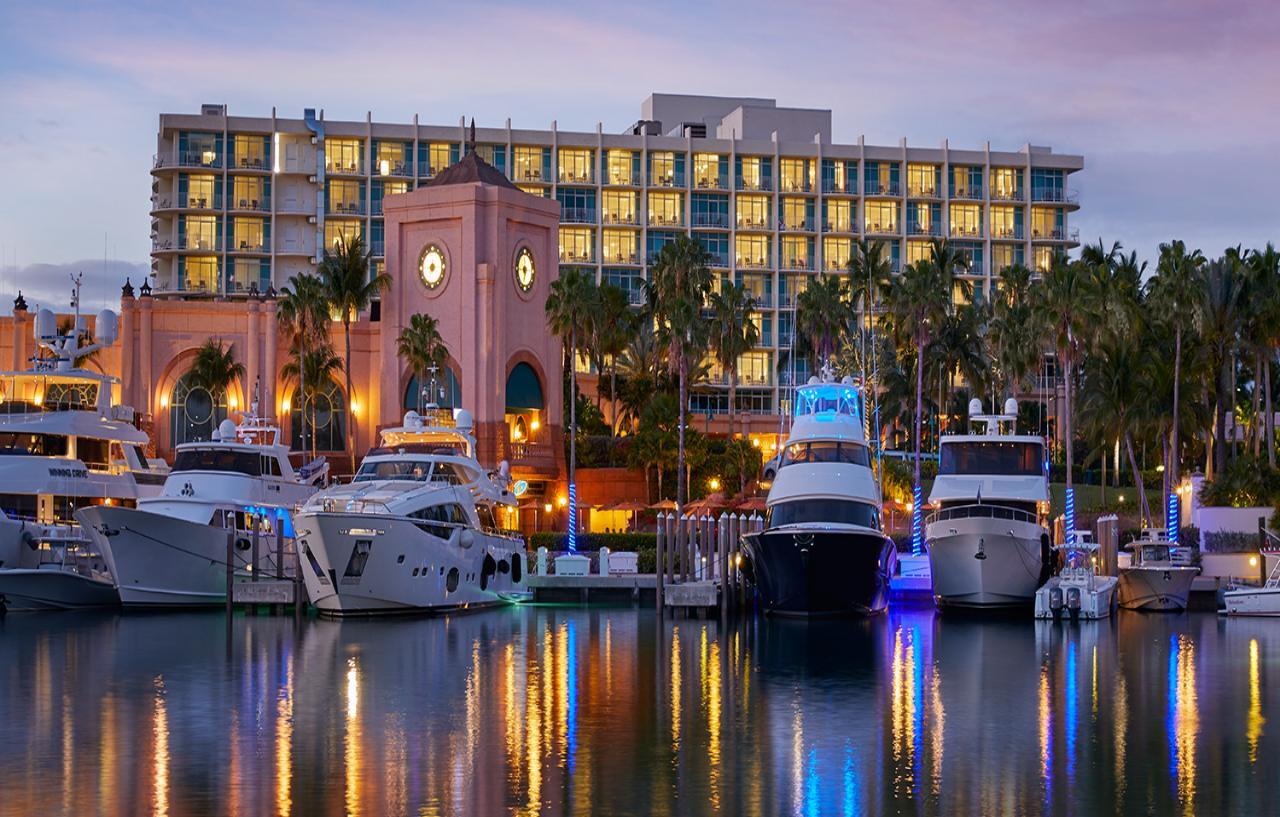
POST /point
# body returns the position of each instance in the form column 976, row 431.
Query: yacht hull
column 1252, row 601
column 1156, row 588
column 357, row 564
column 160, row 561
column 980, row 562
column 1061, row 598
column 50, row 588
column 817, row 572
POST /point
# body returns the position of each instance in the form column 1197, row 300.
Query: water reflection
column 546, row 711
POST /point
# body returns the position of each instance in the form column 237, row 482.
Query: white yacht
column 417, row 529
column 64, row 444
column 987, row 541
column 172, row 549
column 1156, row 575
column 822, row 550
column 1264, row 600
column 1077, row 592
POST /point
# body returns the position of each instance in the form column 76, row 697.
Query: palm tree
column 823, row 317
column 1222, row 313
column 317, row 365
column 1111, row 397
column 349, row 289
column 422, row 348
column 1176, row 289
column 1014, row 334
column 305, row 316
column 681, row 283
column 614, row 327
column 733, row 334
column 569, row 309
column 215, row 368
column 1064, row 311
column 1264, row 267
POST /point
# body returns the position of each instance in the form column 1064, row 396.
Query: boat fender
column 982, row 550
column 29, row 540
column 517, row 566
column 487, row 569
column 1046, row 558
column 243, row 543
column 504, row 566
column 748, row 569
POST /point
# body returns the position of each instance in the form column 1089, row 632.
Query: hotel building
column 243, row 203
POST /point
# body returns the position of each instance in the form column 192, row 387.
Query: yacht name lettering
column 75, row 473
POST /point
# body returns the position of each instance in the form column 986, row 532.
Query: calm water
column 544, row 710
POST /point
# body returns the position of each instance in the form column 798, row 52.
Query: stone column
column 252, row 344
column 146, row 393
column 20, row 333
column 127, row 385
column 271, row 368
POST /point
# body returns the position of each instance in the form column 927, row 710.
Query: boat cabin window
column 93, row 453
column 832, row 399
column 833, row 511
column 38, row 445
column 419, row 470
column 1000, row 458
column 450, row 512
column 826, row 451
column 229, row 460
column 1155, row 553
column 487, row 522
column 19, row 506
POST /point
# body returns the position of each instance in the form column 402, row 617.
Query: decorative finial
column 271, row 291
column 471, row 143
column 19, row 303
column 126, row 291
column 145, row 290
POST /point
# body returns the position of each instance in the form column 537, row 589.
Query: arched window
column 193, row 412
column 524, row 391
column 448, row 394
column 326, row 418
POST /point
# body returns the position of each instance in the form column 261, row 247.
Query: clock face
column 431, row 266
column 525, row 270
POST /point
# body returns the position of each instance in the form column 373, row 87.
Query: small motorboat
column 1158, row 575
column 1077, row 592
column 65, row 573
column 1257, row 601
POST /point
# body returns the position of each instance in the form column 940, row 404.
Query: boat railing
column 983, row 512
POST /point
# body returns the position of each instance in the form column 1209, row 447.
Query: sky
column 1172, row 104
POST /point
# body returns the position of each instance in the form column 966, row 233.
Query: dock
column 267, row 591
column 624, row 588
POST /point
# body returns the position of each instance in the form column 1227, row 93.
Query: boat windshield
column 230, row 460
column 1155, row 553
column 818, row 511
column 991, row 457
column 39, row 445
column 828, row 401
column 419, row 470
column 826, row 451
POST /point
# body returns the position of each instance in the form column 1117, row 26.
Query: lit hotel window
column 753, row 213
column 576, row 245
column 882, row 216
column 575, row 166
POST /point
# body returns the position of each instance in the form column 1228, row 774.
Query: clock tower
column 478, row 255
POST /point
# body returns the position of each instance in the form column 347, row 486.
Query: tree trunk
column 1255, row 431
column 1220, row 421
column 351, row 415
column 659, row 483
column 1137, row 481
column 1271, row 417
column 680, row 479
column 573, row 421
column 733, row 401
column 1104, row 473
column 1066, row 422
column 919, row 405
column 1176, row 458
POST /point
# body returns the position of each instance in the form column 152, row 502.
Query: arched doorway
column 326, row 419
column 525, row 408
column 448, row 392
column 193, row 412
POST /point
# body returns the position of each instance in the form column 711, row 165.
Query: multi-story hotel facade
column 243, row 203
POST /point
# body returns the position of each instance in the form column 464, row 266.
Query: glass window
column 796, row 175
column 194, row 413
column 665, row 209
column 495, row 155
column 1006, row 182
column 753, row 367
column 530, row 164
column 337, row 232
column 247, row 273
column 918, row 251
column 1003, row 458
column 251, row 151
column 881, row 178
column 576, row 166
column 1006, row 222
column 326, row 418
column 924, row 218
column 620, row 247
column 577, row 205
column 664, row 169
column 345, row 196
column 753, row 213
column 343, row 155
column 797, row 213
column 797, row 252
column 830, row 511
column 836, row 253
column 619, row 206
column 39, row 445
column 198, row 233
column 882, row 216
column 219, row 459
column 250, row 235
column 838, row 216
column 754, row 173
column 576, row 245
column 392, row 158
column 1005, row 255
column 966, row 182
column 1047, row 222
column 710, row 171
column 966, row 220
column 752, row 251
column 200, row 192
column 198, row 274
column 441, row 155
column 710, row 210
column 838, row 176
column 1043, row 260
column 251, row 193
column 621, row 166
column 922, row 180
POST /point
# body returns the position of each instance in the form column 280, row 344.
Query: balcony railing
column 621, row 258
column 786, row 185
column 577, row 215
column 530, row 453
column 711, row 220
column 877, row 189
column 835, row 264
column 831, row 186
column 256, row 205
column 190, row 242
column 882, row 228
column 798, row 262
column 760, row 184
column 250, row 163
column 804, row 225
column 623, row 178
column 845, row 226
column 573, row 177
column 529, row 174
column 635, row 296
column 922, row 229
column 968, row 193
column 619, row 218
column 756, row 262
column 718, row 259
column 966, row 231
column 1006, row 195
column 249, row 245
column 189, row 202
column 378, row 247
column 333, row 165
column 1056, row 195
column 786, row 300
column 199, row 158
column 753, row 223
column 568, row 256
column 666, row 180
column 664, row 220
column 1014, row 233
column 923, row 191
column 1055, row 234
column 715, row 181
column 393, row 167
column 345, row 208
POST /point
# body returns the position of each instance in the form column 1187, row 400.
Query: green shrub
column 1245, row 483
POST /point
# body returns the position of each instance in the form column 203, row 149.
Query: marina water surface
column 543, row 710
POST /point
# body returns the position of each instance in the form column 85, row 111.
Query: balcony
column 252, row 205
column 1006, row 195
column 666, row 180
column 839, row 226
column 966, row 231
column 756, row 262
column 530, row 174
column 877, row 189
column 197, row 158
column 531, row 454
column 803, row 225
column 718, row 259
column 345, row 208
column 378, row 247
column 198, row 243
column 786, row 185
column 796, row 262
column 1055, row 195
column 836, row 264
column 635, row 296
column 754, row 223
column 338, row 167
column 1056, row 234
column 394, row 167
column 570, row 256
column 187, row 202
column 758, row 184
column 664, row 220
column 250, row 245
column 573, row 177
column 720, row 220
column 785, row 341
column 1013, row 233
column 577, row 215
column 831, row 186
column 622, row 219
column 786, row 300
column 712, row 181
column 882, row 228
column 967, row 193
column 923, row 191
column 257, row 163
column 628, row 258
column 933, row 229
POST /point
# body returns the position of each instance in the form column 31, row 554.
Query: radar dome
column 462, row 419
column 1011, row 406
column 227, row 430
column 46, row 324
column 107, row 328
column 412, row 418
column 975, row 406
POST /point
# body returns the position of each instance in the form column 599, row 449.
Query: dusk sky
column 1173, row 105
